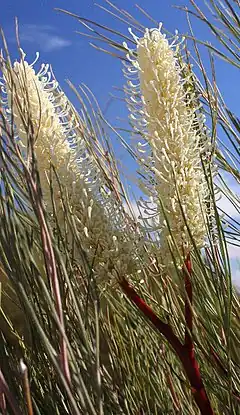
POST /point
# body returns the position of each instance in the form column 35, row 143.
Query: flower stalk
column 165, row 113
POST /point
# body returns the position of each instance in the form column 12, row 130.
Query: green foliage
column 86, row 347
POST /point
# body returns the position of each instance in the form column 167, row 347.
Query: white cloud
column 234, row 252
column 234, row 256
column 44, row 36
column 236, row 278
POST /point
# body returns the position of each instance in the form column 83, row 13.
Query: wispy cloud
column 44, row 37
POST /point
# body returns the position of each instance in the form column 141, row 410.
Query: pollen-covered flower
column 42, row 114
column 164, row 112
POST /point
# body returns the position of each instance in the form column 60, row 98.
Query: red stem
column 3, row 405
column 4, row 390
column 192, row 370
column 164, row 328
column 188, row 359
column 187, row 269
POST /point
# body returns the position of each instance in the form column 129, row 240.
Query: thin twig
column 187, row 268
column 26, row 387
column 4, row 389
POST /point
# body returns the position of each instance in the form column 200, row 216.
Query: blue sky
column 53, row 34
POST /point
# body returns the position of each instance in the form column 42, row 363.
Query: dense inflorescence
column 174, row 143
column 43, row 116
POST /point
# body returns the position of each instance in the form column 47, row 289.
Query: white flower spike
column 39, row 109
column 165, row 115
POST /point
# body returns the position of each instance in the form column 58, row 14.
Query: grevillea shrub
column 111, row 306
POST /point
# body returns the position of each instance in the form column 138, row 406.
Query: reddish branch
column 5, row 391
column 187, row 269
column 185, row 352
column 192, row 370
column 164, row 328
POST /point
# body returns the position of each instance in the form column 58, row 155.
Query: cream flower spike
column 36, row 97
column 175, row 139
